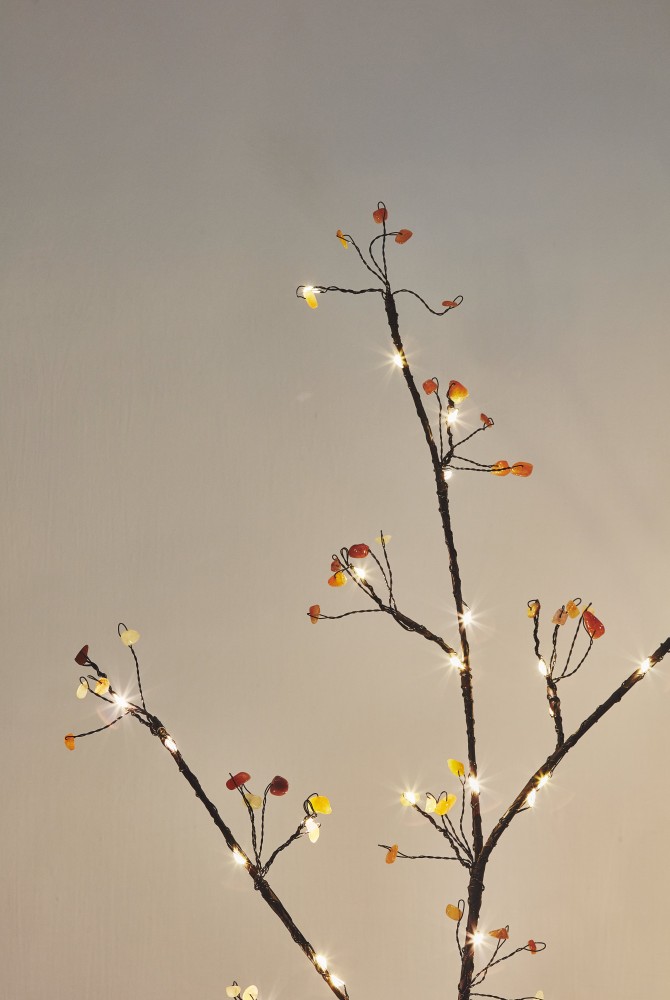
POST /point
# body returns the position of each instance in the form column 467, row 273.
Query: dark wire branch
column 420, row 857
column 122, row 628
column 436, row 312
column 461, row 909
column 572, row 646
column 335, row 288
column 480, row 976
column 539, row 947
column 255, row 871
column 460, row 847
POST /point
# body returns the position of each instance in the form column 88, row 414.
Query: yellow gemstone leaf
column 453, row 912
column 340, row 236
column 255, row 801
column 102, row 687
column 444, row 805
column 129, row 637
column 320, row 804
column 233, row 991
column 82, row 690
column 251, row 993
column 69, row 741
column 539, row 995
column 456, row 767
column 310, row 297
column 431, row 803
column 391, row 854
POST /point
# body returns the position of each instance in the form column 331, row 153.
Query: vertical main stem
column 476, row 885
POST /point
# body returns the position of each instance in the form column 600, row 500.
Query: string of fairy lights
column 445, row 811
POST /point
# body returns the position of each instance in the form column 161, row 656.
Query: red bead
column 82, row 656
column 593, row 626
column 238, row 779
column 314, row 613
column 278, row 785
column 403, row 236
column 532, row 947
column 485, row 420
column 335, row 565
column 359, row 551
column 448, row 304
column 429, row 386
column 380, row 215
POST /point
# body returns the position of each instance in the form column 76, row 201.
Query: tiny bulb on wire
column 452, row 415
column 645, row 666
column 170, row 744
column 238, row 858
column 398, row 360
column 474, row 784
column 454, row 661
column 542, row 667
column 447, row 474
column 467, row 617
column 321, row 961
column 531, row 797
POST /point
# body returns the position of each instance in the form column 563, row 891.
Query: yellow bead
column 310, row 297
column 129, row 637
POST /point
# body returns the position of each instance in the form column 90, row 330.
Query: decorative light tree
column 472, row 849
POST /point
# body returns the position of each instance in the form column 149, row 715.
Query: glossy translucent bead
column 82, row 656
column 450, row 304
column 309, row 297
column 255, row 801
column 533, row 608
column 456, row 767
column 341, row 238
column 429, row 386
column 431, row 803
column 238, row 779
column 444, row 805
column 523, row 469
column 102, row 686
column 485, row 420
column 532, row 947
column 278, row 785
column 313, row 829
column 82, row 690
column 337, row 580
column 403, row 236
column 69, row 741
column 391, row 854
column 233, row 991
column 501, row 934
column 320, row 804
column 380, row 215
column 129, row 637
column 314, row 612
column 593, row 625
column 453, row 912
column 359, row 551
column 251, row 993
column 500, row 468
column 560, row 617
column 335, row 565
column 457, row 392
column 572, row 609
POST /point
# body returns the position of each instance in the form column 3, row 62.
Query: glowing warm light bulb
column 531, row 797
column 170, row 744
column 408, row 798
column 477, row 938
column 309, row 295
column 359, row 571
column 456, row 662
column 452, row 415
column 544, row 780
column 123, row 704
column 337, row 982
column 239, row 858
column 312, row 829
column 542, row 667
column 398, row 360
column 321, row 961
column 474, row 784
column 466, row 618
column 447, row 474
column 645, row 665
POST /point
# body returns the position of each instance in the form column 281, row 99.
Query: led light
column 542, row 667
column 466, row 618
column 452, row 415
column 454, row 661
column 309, row 294
column 544, row 780
column 398, row 360
column 321, row 961
column 474, row 784
column 447, row 474
column 531, row 797
column 645, row 665
column 337, row 982
column 123, row 704
column 238, row 858
column 312, row 829
column 408, row 798
column 359, row 572
column 477, row 938
column 170, row 744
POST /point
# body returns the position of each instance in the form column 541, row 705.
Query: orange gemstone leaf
column 593, row 625
column 380, row 215
column 341, row 238
column 69, row 741
column 449, row 304
column 523, row 469
column 457, row 392
column 487, row 421
column 429, row 386
column 391, row 854
column 314, row 612
column 500, row 468
column 453, row 912
column 501, row 934
column 337, row 580
column 359, row 551
column 403, row 236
